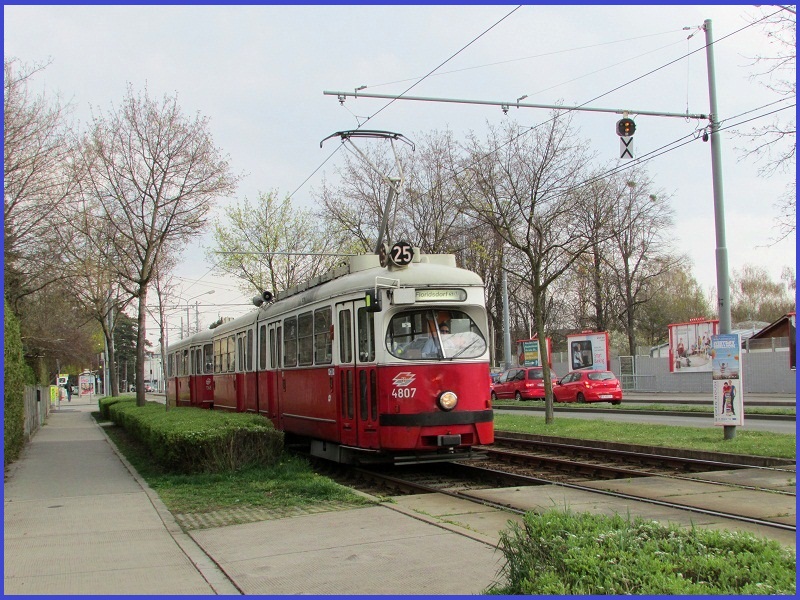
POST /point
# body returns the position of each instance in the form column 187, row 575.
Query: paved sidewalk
column 76, row 520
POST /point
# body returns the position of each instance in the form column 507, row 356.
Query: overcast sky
column 259, row 72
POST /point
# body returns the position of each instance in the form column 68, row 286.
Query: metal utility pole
column 723, row 285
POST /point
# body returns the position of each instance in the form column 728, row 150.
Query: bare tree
column 639, row 247
column 596, row 218
column 774, row 144
column 524, row 185
column 38, row 179
column 152, row 174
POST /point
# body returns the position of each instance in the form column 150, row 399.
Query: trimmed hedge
column 194, row 440
column 13, row 388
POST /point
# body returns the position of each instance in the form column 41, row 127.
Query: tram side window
column 208, row 359
column 231, row 353
column 241, row 353
column 273, row 355
column 249, row 362
column 170, row 368
column 323, row 342
column 185, row 361
column 366, row 335
column 345, row 337
column 262, row 347
column 305, row 338
column 290, row 342
column 217, row 356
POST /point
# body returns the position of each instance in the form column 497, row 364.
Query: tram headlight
column 447, row 400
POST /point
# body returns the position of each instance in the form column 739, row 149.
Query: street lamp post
column 196, row 313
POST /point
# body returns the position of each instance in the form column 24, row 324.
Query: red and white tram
column 368, row 363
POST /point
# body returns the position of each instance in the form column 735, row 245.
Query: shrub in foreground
column 193, row 440
column 563, row 553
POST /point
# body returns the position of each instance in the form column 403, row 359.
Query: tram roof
column 359, row 274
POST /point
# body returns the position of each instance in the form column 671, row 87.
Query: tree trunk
column 140, row 346
column 539, row 302
column 600, row 320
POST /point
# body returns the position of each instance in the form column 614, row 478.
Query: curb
column 206, row 566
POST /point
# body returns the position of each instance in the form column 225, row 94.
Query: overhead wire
column 420, row 80
column 575, row 109
column 511, row 60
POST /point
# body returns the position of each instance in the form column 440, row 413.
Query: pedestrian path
column 77, row 521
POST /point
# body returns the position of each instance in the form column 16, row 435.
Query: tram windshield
column 432, row 334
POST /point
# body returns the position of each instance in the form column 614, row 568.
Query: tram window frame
column 185, row 360
column 366, row 335
column 273, row 347
column 290, row 342
column 262, row 347
column 345, row 336
column 208, row 358
column 241, row 352
column 231, row 353
column 217, row 356
column 323, row 336
column 249, row 345
column 305, row 339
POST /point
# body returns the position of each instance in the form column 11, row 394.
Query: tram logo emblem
column 404, row 379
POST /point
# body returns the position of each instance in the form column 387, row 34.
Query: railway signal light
column 626, row 127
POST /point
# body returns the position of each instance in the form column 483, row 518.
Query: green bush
column 193, row 440
column 105, row 403
column 564, row 553
column 14, row 373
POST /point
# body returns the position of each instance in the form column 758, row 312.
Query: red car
column 588, row 386
column 521, row 383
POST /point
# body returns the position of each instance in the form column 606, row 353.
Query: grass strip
column 563, row 553
column 751, row 443
column 289, row 483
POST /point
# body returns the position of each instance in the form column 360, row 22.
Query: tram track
column 613, row 463
column 505, row 468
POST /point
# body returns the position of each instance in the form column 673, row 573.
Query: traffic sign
column 626, row 146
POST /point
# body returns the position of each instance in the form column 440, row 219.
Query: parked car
column 148, row 388
column 588, row 386
column 521, row 383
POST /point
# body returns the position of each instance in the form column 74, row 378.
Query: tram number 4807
column 404, row 392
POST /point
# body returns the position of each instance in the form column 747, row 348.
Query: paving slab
column 371, row 550
column 77, row 519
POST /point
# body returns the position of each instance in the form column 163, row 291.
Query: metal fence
column 764, row 372
column 37, row 407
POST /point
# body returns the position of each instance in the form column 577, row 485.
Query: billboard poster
column 727, row 379
column 529, row 355
column 690, row 345
column 86, row 384
column 588, row 350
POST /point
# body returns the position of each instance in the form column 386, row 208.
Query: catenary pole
column 723, row 286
